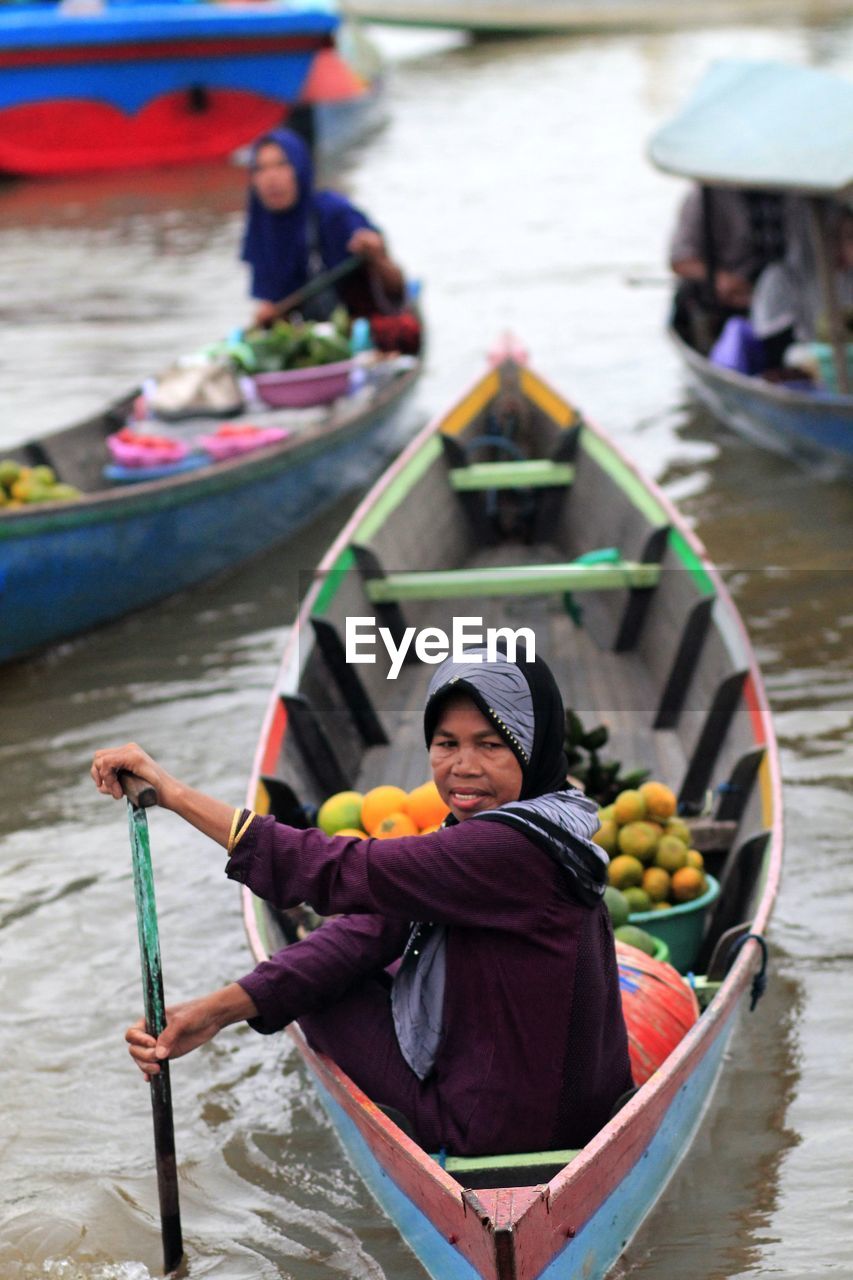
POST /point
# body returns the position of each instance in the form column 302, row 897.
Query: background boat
column 88, row 88
column 68, row 566
column 815, row 429
column 506, row 17
column 501, row 510
column 787, row 130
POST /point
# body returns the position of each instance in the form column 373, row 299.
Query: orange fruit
column 660, row 801
column 629, row 806
column 425, row 806
column 396, row 824
column 424, row 831
column 343, row 809
column 378, row 803
column 678, row 827
column 656, row 883
column 607, row 836
column 687, row 884
column 671, row 854
column 625, row 871
column 639, row 839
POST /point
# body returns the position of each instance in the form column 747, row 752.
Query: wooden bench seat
column 530, row 1169
column 533, row 579
column 532, row 473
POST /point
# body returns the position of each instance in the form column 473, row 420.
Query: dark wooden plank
column 349, row 683
column 314, row 745
column 691, row 796
column 390, row 615
column 637, row 608
column 285, row 805
column 735, row 793
column 686, row 661
column 738, row 885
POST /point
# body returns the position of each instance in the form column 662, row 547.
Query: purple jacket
column 534, row 1048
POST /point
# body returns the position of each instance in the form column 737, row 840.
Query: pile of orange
column 651, row 861
column 383, row 812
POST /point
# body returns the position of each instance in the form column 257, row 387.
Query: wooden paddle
column 140, row 796
column 318, row 284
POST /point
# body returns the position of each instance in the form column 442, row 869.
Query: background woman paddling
column 294, row 233
column 472, row 982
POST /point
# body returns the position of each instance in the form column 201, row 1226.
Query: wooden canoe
column 751, row 126
column 497, row 510
column 816, row 429
column 65, row 568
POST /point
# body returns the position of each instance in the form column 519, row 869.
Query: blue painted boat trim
column 49, row 28
column 131, row 85
column 130, row 79
column 437, row 1256
column 596, row 1247
column 591, row 1254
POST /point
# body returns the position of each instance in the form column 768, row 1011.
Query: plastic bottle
column 360, row 345
column 360, row 339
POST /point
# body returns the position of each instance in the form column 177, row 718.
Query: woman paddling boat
column 505, row 981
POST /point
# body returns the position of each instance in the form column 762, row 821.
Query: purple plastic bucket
column 299, row 388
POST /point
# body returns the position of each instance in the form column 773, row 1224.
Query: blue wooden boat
column 88, row 87
column 814, row 426
column 67, row 567
column 783, row 129
column 497, row 509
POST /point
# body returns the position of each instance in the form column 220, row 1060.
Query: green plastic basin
column 681, row 927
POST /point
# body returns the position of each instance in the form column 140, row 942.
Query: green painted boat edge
column 646, row 502
column 399, row 488
column 331, row 580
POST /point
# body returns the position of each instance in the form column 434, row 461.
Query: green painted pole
column 140, row 795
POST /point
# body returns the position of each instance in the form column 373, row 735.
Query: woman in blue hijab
column 293, row 233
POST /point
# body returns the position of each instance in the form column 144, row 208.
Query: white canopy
column 763, row 125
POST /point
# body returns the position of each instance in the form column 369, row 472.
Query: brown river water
column 511, row 178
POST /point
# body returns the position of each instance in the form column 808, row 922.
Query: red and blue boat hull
column 148, row 84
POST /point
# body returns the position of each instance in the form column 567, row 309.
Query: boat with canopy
column 784, row 130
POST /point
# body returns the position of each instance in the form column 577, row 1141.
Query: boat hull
column 148, row 85
column 815, row 429
column 66, row 570
column 590, row 1251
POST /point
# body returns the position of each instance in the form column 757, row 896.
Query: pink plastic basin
column 229, row 445
column 138, row 453
column 298, row 388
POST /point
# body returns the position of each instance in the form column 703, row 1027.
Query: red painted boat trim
column 751, row 699
column 64, row 136
column 160, row 50
column 272, row 743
